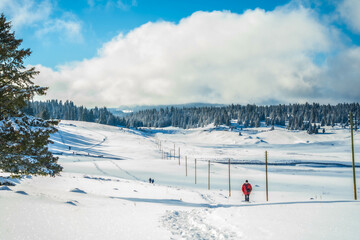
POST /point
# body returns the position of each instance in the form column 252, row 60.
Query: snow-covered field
column 103, row 192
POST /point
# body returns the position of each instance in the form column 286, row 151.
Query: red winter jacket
column 246, row 188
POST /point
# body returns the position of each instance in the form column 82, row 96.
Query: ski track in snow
column 118, row 167
column 191, row 225
column 100, row 170
column 95, row 145
column 84, row 149
column 207, row 198
column 128, row 173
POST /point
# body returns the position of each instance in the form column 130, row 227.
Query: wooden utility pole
column 353, row 154
column 266, row 170
column 209, row 175
column 186, row 165
column 195, row 170
column 229, row 180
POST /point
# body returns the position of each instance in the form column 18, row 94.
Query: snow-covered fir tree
column 23, row 138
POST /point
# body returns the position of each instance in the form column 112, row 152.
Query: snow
column 24, row 125
column 103, row 192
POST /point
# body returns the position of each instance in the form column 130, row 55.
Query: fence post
column 174, row 151
column 186, row 164
column 229, row 180
column 195, row 170
column 353, row 154
column 179, row 156
column 209, row 175
column 266, row 170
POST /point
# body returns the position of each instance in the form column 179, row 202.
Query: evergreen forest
column 308, row 117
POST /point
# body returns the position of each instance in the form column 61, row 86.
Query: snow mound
column 73, row 202
column 22, row 192
column 77, row 190
column 5, row 188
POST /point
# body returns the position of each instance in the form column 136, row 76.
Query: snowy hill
column 104, row 192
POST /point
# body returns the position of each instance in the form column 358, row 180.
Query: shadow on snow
column 176, row 202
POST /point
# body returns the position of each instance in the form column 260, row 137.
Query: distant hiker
column 69, row 148
column 246, row 189
column 150, row 180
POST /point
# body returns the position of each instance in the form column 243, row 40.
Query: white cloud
column 26, row 12
column 218, row 57
column 350, row 12
column 342, row 76
column 124, row 5
column 38, row 15
column 71, row 30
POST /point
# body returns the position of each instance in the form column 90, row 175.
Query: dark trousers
column 247, row 197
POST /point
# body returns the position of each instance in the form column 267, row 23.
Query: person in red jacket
column 246, row 189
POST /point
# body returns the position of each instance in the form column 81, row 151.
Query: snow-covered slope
column 104, row 190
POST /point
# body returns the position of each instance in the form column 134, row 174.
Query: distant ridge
column 125, row 109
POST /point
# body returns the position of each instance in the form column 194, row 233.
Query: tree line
column 54, row 109
column 306, row 116
column 292, row 116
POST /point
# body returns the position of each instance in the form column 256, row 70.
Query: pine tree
column 44, row 114
column 23, row 138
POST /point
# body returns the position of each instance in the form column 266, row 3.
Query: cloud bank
column 285, row 55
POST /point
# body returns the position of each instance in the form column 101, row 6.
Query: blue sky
column 117, row 52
